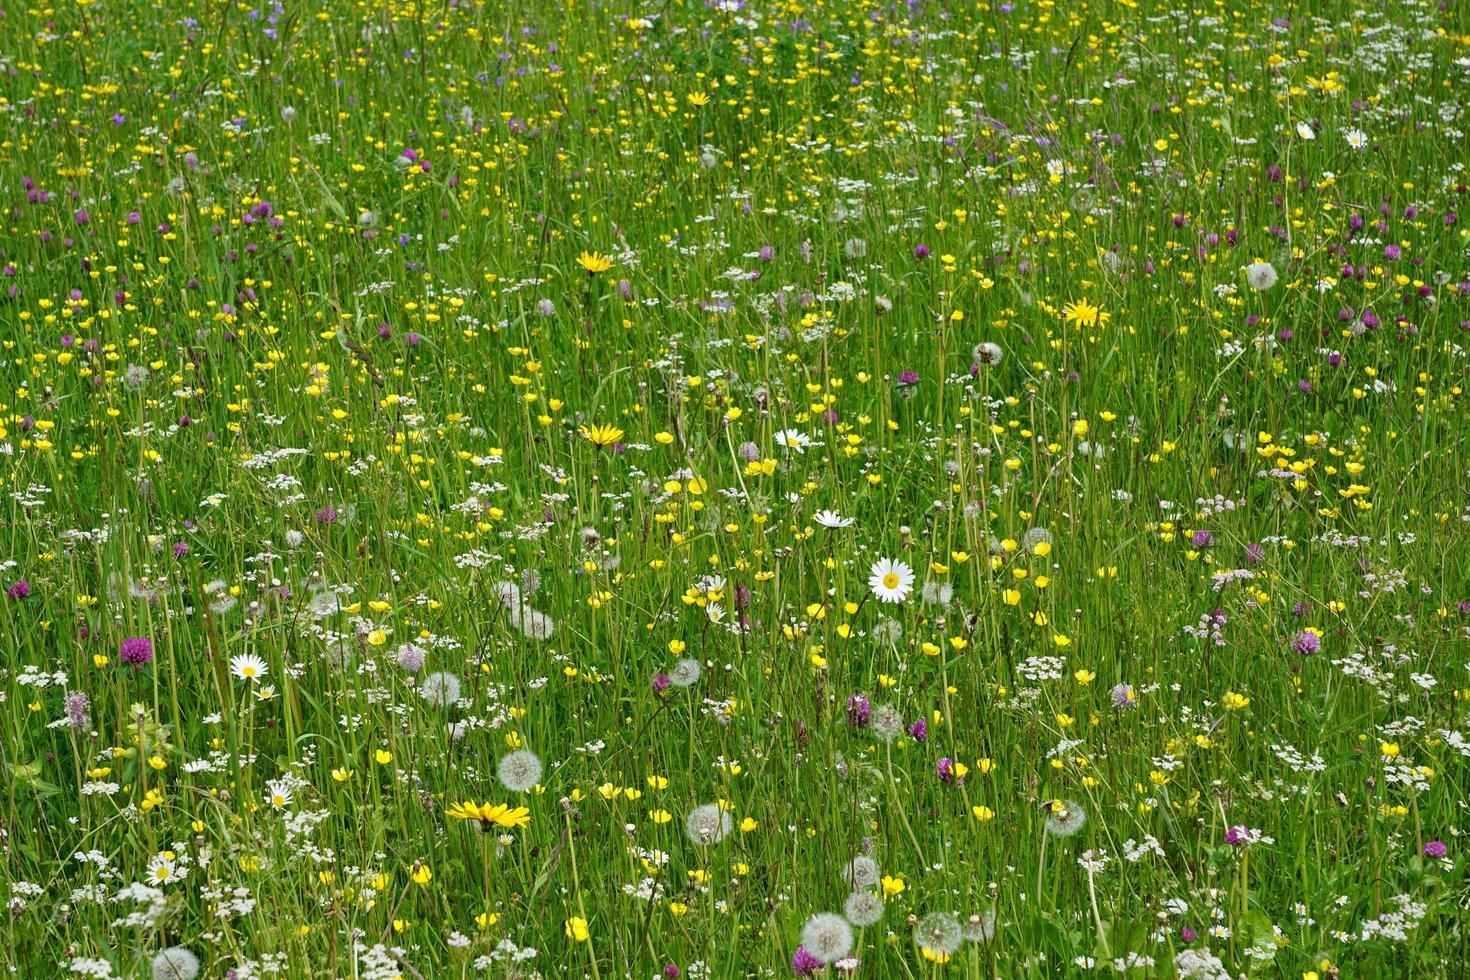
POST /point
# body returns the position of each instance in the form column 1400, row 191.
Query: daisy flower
column 891, row 580
column 832, row 519
column 248, row 667
column 793, row 439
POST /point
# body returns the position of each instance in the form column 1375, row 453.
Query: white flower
column 440, row 689
column 793, row 439
column 277, row 794
column 832, row 519
column 248, row 667
column 1357, row 139
column 988, row 353
column 827, row 937
column 175, row 963
column 163, row 870
column 519, row 771
column 685, row 673
column 939, row 933
column 891, row 580
column 1261, row 275
column 1305, row 131
column 863, row 908
column 708, row 824
column 861, row 872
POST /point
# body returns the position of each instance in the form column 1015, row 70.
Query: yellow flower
column 421, row 874
column 982, row 813
column 490, row 814
column 698, row 99
column 594, row 262
column 1084, row 314
column 892, row 886
column 604, row 435
column 577, row 929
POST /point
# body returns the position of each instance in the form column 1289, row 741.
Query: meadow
column 721, row 488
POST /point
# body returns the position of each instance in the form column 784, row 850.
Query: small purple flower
column 180, row 549
column 947, row 772
column 1188, row 935
column 327, row 515
column 908, row 378
column 804, row 964
column 1254, row 553
column 78, row 712
column 858, row 710
column 1124, row 699
column 919, row 730
column 1306, row 642
column 661, row 683
column 921, row 251
column 19, row 590
column 1202, row 539
column 1435, row 849
column 1236, row 835
column 672, row 971
column 136, row 650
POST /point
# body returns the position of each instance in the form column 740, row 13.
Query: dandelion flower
column 440, row 689
column 987, row 354
column 488, row 815
column 247, row 667
column 1260, row 275
column 863, row 909
column 685, row 673
column 175, row 963
column 981, row 928
column 1064, row 818
column 594, row 262
column 604, row 435
column 827, row 937
column 708, row 824
column 520, row 771
column 861, row 872
column 939, row 934
column 1082, row 313
column 891, row 580
column 886, row 722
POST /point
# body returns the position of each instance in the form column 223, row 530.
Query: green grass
column 300, row 364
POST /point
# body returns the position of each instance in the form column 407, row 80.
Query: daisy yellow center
column 248, row 671
column 890, row 581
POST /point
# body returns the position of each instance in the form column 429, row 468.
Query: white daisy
column 793, row 439
column 164, row 870
column 891, row 580
column 277, row 794
column 248, row 667
column 1357, row 139
column 1305, row 131
column 832, row 519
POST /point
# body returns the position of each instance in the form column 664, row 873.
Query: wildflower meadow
column 668, row 489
